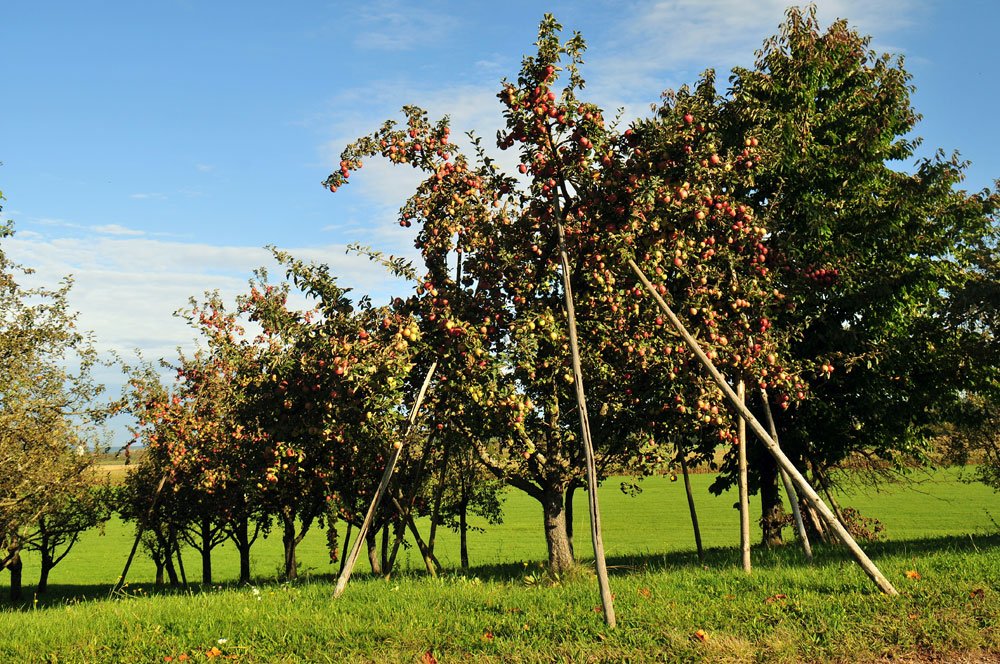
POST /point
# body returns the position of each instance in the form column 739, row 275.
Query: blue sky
column 151, row 149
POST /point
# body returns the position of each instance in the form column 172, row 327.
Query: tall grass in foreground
column 942, row 551
column 669, row 610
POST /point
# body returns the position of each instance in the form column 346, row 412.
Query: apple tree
column 867, row 253
column 660, row 191
column 196, row 440
column 330, row 400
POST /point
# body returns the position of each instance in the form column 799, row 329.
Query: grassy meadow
column 941, row 549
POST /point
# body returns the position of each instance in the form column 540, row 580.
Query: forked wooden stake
column 741, row 432
column 359, row 540
column 800, row 482
column 607, row 602
column 793, row 497
column 140, row 527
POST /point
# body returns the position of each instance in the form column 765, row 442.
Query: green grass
column 506, row 609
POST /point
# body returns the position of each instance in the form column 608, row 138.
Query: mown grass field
column 942, row 532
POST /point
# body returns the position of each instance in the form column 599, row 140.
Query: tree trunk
column 43, row 578
column 772, row 514
column 556, row 541
column 158, row 579
column 168, row 564
column 430, row 562
column 288, row 542
column 373, row 558
column 343, row 553
column 399, row 532
column 793, row 496
column 386, row 567
column 570, row 491
column 694, row 514
column 242, row 539
column 16, row 568
column 206, row 551
column 815, row 523
column 168, row 558
column 180, row 559
column 463, row 531
column 438, row 495
column 48, row 562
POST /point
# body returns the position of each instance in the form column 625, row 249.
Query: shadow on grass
column 789, row 555
column 62, row 594
column 786, row 556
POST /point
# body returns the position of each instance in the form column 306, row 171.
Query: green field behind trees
column 927, row 504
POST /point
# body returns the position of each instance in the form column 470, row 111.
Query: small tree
column 328, row 399
column 60, row 528
column 158, row 512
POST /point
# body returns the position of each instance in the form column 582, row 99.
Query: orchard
column 746, row 281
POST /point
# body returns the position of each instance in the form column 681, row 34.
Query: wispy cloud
column 388, row 25
column 667, row 43
column 115, row 229
column 152, row 195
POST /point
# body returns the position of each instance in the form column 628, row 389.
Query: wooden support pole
column 407, row 505
column 359, row 539
column 800, row 482
column 607, row 602
column 430, row 561
column 744, row 489
column 793, row 496
column 140, row 527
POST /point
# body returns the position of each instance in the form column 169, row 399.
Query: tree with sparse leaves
column 47, row 402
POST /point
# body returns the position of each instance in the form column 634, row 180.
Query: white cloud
column 115, row 229
column 143, row 196
column 127, row 290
